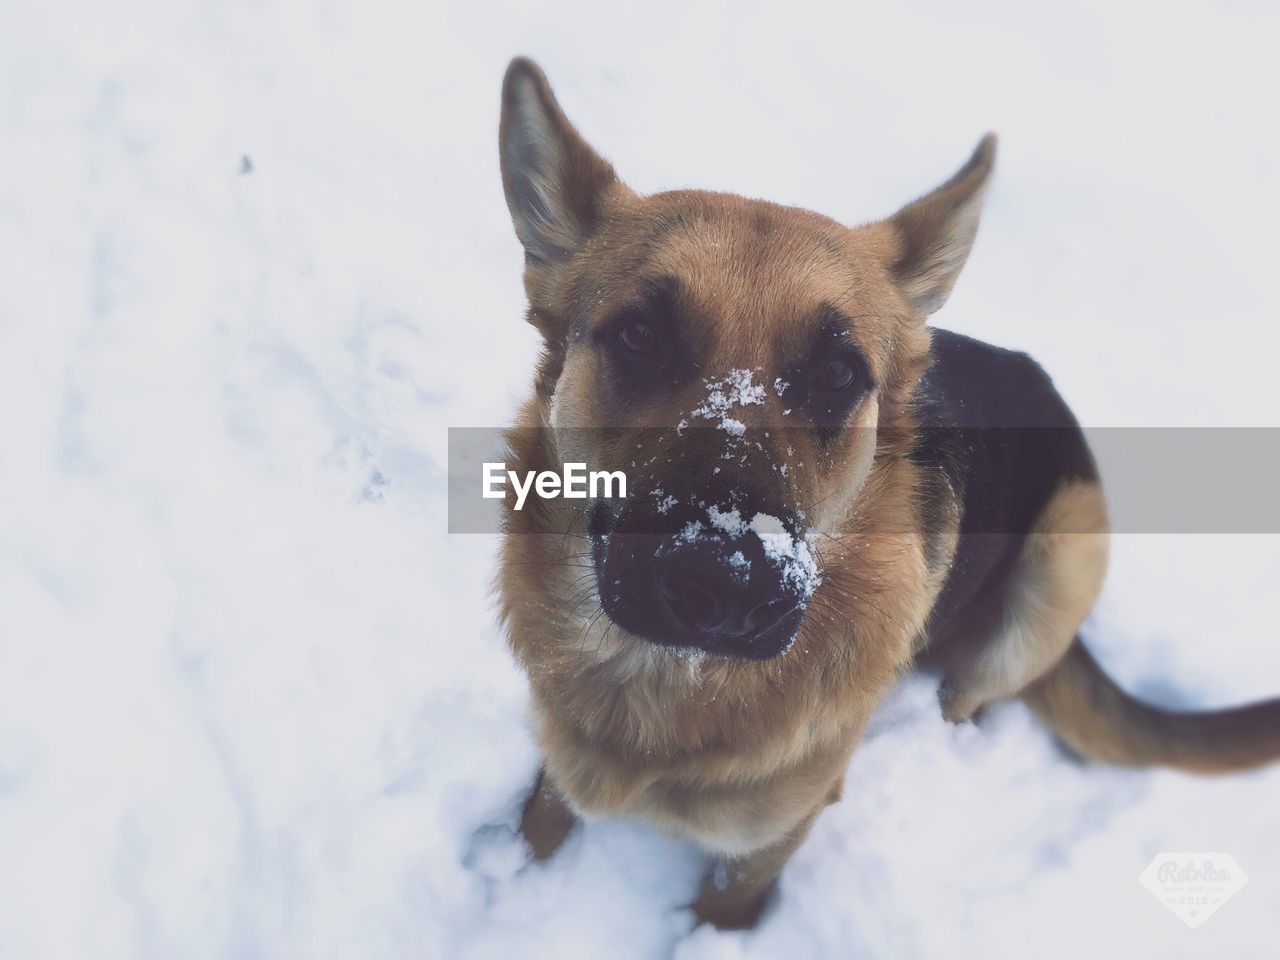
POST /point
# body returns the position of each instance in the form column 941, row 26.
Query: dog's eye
column 640, row 339
column 835, row 375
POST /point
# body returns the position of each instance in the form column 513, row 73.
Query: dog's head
column 743, row 362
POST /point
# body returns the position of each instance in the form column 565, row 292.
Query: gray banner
column 1157, row 480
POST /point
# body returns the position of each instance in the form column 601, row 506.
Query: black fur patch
column 992, row 423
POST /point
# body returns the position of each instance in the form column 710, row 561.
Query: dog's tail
column 1101, row 722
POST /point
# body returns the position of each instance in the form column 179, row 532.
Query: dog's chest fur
column 731, row 754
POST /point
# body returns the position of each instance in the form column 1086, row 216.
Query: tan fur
column 1102, row 723
column 1055, row 583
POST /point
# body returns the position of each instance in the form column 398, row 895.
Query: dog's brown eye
column 639, row 338
column 836, row 374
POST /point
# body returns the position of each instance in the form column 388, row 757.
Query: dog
column 836, row 492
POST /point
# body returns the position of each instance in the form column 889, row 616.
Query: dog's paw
column 729, row 900
column 546, row 821
column 726, row 913
column 957, row 705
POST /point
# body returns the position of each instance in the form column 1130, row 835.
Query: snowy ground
column 256, row 260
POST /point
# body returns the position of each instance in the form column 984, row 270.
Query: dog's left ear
column 935, row 233
column 553, row 180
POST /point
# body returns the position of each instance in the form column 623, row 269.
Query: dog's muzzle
column 732, row 593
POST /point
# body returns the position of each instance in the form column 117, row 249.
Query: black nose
column 722, row 588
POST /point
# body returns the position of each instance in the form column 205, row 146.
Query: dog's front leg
column 735, row 890
column 547, row 819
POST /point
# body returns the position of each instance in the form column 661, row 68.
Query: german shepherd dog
column 704, row 658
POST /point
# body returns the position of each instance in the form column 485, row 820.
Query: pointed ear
column 553, row 180
column 935, row 233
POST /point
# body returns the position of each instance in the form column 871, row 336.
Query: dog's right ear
column 553, row 180
column 935, row 233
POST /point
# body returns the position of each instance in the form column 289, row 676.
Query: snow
column 792, row 555
column 252, row 699
column 691, row 532
column 739, row 565
column 723, row 395
column 727, row 521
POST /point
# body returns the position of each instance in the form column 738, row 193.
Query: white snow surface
column 253, row 702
